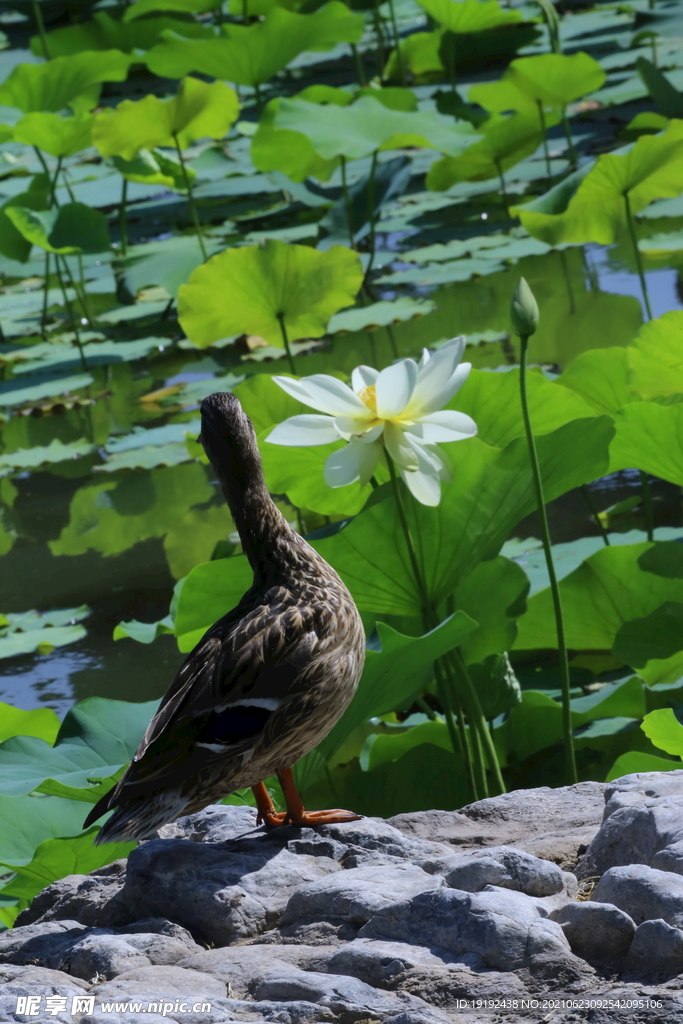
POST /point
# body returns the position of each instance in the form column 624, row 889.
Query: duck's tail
column 135, row 819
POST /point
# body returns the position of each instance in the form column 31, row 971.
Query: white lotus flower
column 397, row 409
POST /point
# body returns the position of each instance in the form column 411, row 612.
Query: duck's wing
column 243, row 670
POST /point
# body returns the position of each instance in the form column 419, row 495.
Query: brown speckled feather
column 267, row 682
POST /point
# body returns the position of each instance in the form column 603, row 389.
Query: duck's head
column 229, row 440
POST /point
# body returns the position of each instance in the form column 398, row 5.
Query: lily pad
column 379, row 314
column 41, row 386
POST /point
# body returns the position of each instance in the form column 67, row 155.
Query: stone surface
column 597, row 932
column 503, row 866
column 556, row 824
column 656, row 950
column 642, row 892
column 370, row 923
column 643, row 824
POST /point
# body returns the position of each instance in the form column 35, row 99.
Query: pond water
column 118, row 542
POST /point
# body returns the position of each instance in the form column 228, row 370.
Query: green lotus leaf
column 494, row 595
column 664, row 730
column 210, row 591
column 551, row 79
column 606, row 591
column 58, row 136
column 664, row 559
column 97, row 737
column 198, row 111
column 668, row 100
column 140, row 7
column 367, row 126
column 638, row 761
column 56, row 84
column 154, row 168
column 649, row 437
column 657, row 635
column 167, row 263
column 652, row 169
column 655, row 357
column 491, row 492
column 252, row 54
column 107, row 33
column 42, row 722
column 379, row 314
column 247, row 289
column 506, row 141
column 144, row 632
column 492, row 400
column 70, row 229
column 13, row 245
column 466, row 16
column 601, row 377
column 27, row 821
column 57, row 858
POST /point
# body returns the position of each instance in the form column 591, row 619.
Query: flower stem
column 541, row 115
column 573, row 155
column 647, row 505
column 397, row 44
column 372, row 213
column 595, row 514
column 72, row 317
column 347, row 203
column 285, row 338
column 567, row 281
column 191, row 200
column 46, row 286
column 477, row 718
column 636, row 253
column 557, row 601
column 503, row 192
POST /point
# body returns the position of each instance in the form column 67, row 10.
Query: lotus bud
column 523, row 310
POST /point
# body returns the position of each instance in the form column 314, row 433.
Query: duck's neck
column 267, row 539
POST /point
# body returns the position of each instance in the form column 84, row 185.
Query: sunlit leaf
column 551, row 79
column 601, row 378
column 154, row 168
column 248, row 289
column 494, row 595
column 140, row 7
column 655, row 357
column 210, row 591
column 652, row 169
column 199, row 110
column 12, row 242
column 59, row 136
column 639, row 761
column 466, row 16
column 664, row 730
column 27, row 821
column 69, row 229
column 657, row 635
column 506, row 141
column 53, row 85
column 42, row 722
column 144, row 632
column 649, row 437
column 252, row 54
column 106, row 33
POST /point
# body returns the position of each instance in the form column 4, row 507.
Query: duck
column 264, row 685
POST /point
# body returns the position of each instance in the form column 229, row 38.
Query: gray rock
column 93, row 899
column 382, row 964
column 46, row 945
column 643, row 824
column 103, row 955
column 242, row 968
column 656, row 951
column 555, row 824
column 160, row 983
column 503, row 866
column 642, row 892
column 355, row 895
column 504, row 928
column 597, row 932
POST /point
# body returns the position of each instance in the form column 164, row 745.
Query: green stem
column 595, row 514
column 259, row 99
column 72, row 317
column 372, row 212
column 503, row 192
column 285, row 338
column 347, row 203
column 43, row 164
column 444, row 696
column 636, row 253
column 573, row 155
column 425, row 709
column 53, row 183
column 541, row 115
column 397, row 44
column 567, row 281
column 647, row 505
column 38, row 16
column 360, row 71
column 190, row 199
column 379, row 35
column 557, row 601
column 476, row 715
column 46, row 286
column 392, row 340
column 123, row 227
column 80, row 294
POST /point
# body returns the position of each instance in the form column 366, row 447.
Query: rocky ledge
column 560, row 905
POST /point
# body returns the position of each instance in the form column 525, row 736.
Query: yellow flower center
column 368, row 397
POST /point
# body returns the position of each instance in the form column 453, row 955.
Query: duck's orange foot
column 309, row 818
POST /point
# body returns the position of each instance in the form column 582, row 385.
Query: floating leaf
column 55, row 84
column 379, row 314
column 199, row 110
column 70, row 229
column 41, row 386
column 144, row 632
column 42, row 722
column 247, row 289
column 252, row 54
